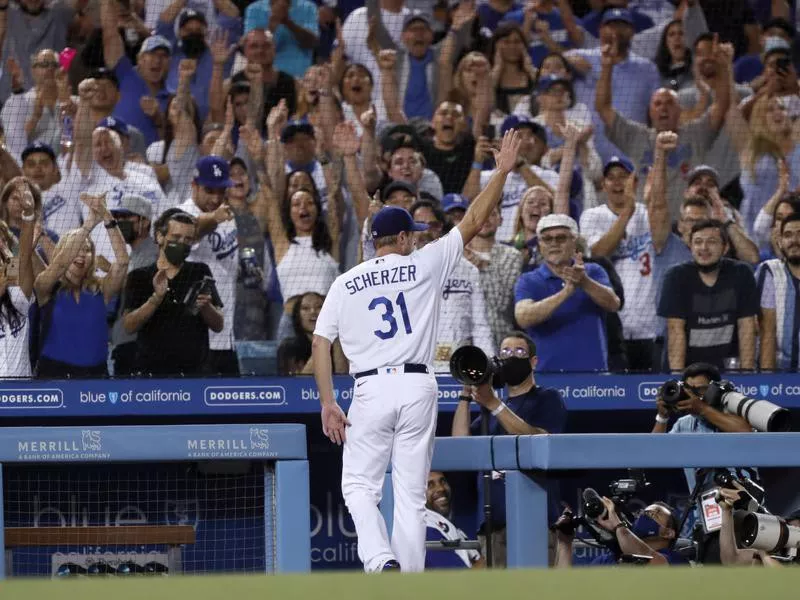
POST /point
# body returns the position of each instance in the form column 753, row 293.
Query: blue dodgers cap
column 38, row 147
column 618, row 161
column 115, row 124
column 617, row 14
column 454, row 202
column 548, row 81
column 213, row 172
column 294, row 127
column 391, row 220
column 515, row 122
column 154, row 42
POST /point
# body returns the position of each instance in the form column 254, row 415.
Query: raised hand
column 387, row 59
column 149, row 106
column 666, row 141
column 630, row 196
column 609, row 53
column 253, row 72
column 369, row 119
column 345, row 139
column 96, row 205
column 463, row 14
column 186, row 69
column 220, row 49
column 253, row 142
column 160, row 283
column 26, row 201
column 87, row 89
column 277, row 118
column 506, row 158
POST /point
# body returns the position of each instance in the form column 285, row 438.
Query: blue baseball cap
column 155, row 42
column 115, row 124
column 548, row 81
column 515, row 122
column 618, row 161
column 454, row 202
column 38, row 147
column 294, row 127
column 617, row 14
column 213, row 172
column 391, row 220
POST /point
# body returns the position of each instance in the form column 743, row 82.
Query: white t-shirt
column 462, row 316
column 220, row 251
column 14, row 359
column 60, row 207
column 355, row 30
column 513, row 191
column 385, row 311
column 633, row 260
column 100, row 181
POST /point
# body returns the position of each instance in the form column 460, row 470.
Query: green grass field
column 632, row 583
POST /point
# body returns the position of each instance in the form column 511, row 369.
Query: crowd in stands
column 183, row 175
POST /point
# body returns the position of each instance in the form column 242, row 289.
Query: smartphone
column 782, row 65
column 208, row 285
column 489, row 132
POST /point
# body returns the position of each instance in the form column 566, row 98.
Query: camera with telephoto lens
column 469, row 365
column 769, row 533
column 751, row 494
column 621, row 492
column 761, row 414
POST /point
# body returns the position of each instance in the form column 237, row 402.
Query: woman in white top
column 305, row 240
column 16, row 289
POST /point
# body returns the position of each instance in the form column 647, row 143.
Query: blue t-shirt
column 289, row 56
column 131, row 90
column 574, row 337
column 417, row 101
column 673, row 558
column 539, row 407
column 747, row 68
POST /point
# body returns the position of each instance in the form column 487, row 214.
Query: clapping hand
column 96, row 205
column 345, row 139
column 277, row 118
column 160, row 283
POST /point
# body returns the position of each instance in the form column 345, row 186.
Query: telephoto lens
column 593, row 506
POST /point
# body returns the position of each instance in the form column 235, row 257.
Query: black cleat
column 391, row 565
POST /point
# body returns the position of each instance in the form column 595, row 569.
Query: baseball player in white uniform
column 385, row 314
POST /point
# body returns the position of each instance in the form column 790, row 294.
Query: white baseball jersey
column 513, row 191
column 219, row 249
column 463, row 316
column 14, row 358
column 60, row 206
column 99, row 182
column 385, row 311
column 448, row 531
column 633, row 260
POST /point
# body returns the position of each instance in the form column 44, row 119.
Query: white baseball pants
column 392, row 416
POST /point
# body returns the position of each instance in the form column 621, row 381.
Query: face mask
column 516, row 370
column 176, row 252
column 126, row 228
column 193, row 45
column 645, row 527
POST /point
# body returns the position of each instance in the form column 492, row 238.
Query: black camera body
column 673, row 391
column 470, row 365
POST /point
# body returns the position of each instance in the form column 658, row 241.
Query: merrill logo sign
column 256, row 446
column 87, row 445
column 90, row 440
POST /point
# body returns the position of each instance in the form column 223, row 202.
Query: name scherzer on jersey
column 439, row 528
column 385, row 311
column 633, row 260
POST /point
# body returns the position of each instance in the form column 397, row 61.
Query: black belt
column 407, row 368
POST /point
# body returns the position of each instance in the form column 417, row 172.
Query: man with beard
column 710, row 305
column 217, row 246
column 636, row 75
column 529, row 410
column 191, row 44
column 172, row 337
column 145, row 80
column 438, row 515
column 31, row 26
column 709, row 75
column 133, row 215
column 638, row 141
column 462, row 317
column 777, row 281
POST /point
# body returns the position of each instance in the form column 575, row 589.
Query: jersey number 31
column 388, row 315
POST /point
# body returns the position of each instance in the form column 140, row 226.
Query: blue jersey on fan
column 439, row 528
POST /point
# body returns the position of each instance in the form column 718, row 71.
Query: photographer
column 697, row 416
column 652, row 535
column 530, row 410
column 730, row 553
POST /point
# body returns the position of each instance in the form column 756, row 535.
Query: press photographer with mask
column 173, row 303
column 529, row 410
column 695, row 415
column 652, row 534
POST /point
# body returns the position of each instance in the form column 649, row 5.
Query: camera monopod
column 487, row 495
